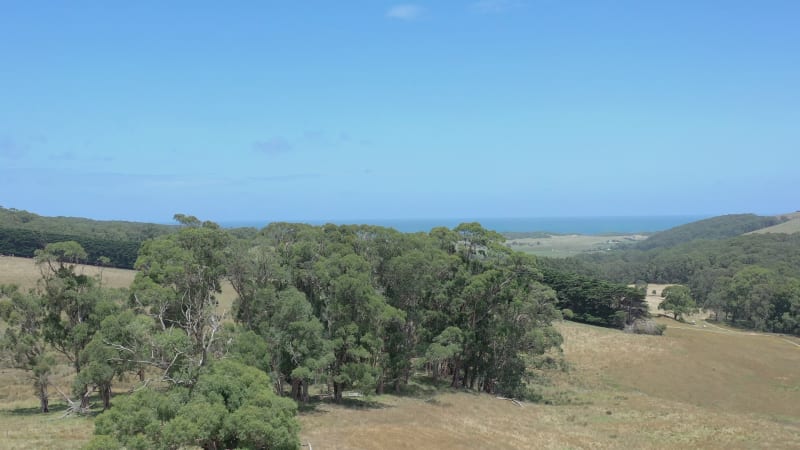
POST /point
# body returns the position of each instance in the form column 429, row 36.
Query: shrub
column 645, row 326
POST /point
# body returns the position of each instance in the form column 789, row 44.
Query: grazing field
column 692, row 388
column 654, row 299
column 701, row 386
column 788, row 227
column 24, row 273
column 556, row 245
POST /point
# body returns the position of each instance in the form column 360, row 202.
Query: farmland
column 563, row 245
column 696, row 386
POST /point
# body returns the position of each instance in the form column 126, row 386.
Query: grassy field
column 571, row 244
column 701, row 386
column 693, row 388
column 24, row 273
column 788, row 227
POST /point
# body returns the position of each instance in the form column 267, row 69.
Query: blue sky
column 378, row 110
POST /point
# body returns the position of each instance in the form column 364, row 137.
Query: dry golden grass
column 21, row 424
column 611, row 420
column 24, row 273
column 654, row 299
column 788, row 227
column 731, row 371
column 628, row 391
column 24, row 429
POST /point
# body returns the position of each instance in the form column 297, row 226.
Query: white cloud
column 405, row 12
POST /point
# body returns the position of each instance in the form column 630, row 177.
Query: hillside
column 99, row 229
column 752, row 280
column 720, row 227
column 23, row 232
column 790, row 226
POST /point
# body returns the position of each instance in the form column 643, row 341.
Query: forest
column 327, row 310
column 748, row 280
column 117, row 242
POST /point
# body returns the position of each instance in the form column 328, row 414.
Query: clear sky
column 303, row 110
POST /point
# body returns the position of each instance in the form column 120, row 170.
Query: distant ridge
column 23, row 232
column 715, row 228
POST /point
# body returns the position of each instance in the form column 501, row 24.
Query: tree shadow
column 314, row 407
column 56, row 407
column 362, row 403
column 423, row 387
column 36, row 411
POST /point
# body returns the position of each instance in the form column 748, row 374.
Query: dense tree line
column 749, row 280
column 329, row 309
column 23, row 233
column 112, row 230
column 25, row 243
column 595, row 301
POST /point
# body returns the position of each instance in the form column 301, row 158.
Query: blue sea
column 560, row 225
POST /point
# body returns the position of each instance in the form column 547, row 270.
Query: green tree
column 179, row 277
column 751, row 295
column 678, row 299
column 22, row 344
column 121, row 345
column 73, row 305
column 230, row 406
column 355, row 315
column 442, row 354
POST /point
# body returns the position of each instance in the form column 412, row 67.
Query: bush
column 230, row 406
column 645, row 326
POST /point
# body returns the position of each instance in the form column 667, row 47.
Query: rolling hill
column 790, row 226
column 715, row 228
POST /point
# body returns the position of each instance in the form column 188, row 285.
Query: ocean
column 560, row 225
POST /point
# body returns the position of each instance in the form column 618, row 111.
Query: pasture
column 696, row 386
column 563, row 245
column 790, row 226
column 24, row 273
column 692, row 388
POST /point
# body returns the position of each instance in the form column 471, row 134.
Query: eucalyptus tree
column 416, row 282
column 179, row 276
column 678, row 299
column 73, row 305
column 354, row 315
column 22, row 344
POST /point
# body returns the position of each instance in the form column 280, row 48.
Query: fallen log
column 511, row 400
